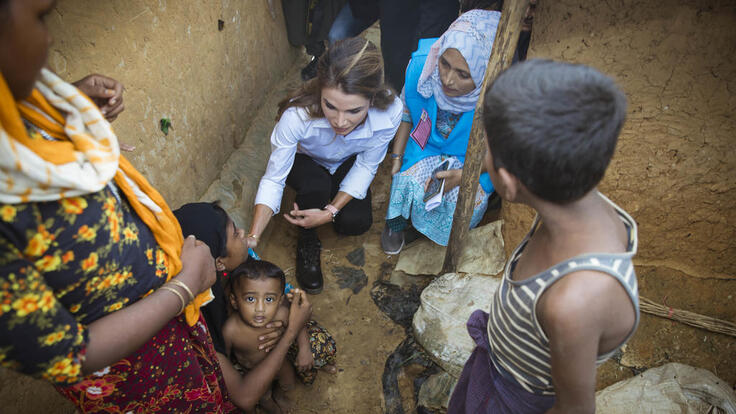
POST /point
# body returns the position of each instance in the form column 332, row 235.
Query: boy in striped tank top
column 568, row 299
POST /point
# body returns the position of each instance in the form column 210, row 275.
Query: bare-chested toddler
column 256, row 294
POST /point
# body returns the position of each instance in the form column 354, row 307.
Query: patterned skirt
column 407, row 200
column 175, row 372
column 323, row 347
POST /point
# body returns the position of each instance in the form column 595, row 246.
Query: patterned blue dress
column 407, row 192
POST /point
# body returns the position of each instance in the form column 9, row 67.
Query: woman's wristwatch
column 396, row 156
column 332, row 209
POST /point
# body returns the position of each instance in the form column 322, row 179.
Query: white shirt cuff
column 269, row 194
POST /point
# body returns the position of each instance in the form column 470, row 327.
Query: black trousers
column 315, row 187
column 310, row 26
column 403, row 23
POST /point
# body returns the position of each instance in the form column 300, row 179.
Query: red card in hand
column 421, row 132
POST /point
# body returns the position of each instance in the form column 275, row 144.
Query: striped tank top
column 519, row 347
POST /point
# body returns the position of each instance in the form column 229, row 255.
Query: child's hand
column 304, row 359
column 300, row 310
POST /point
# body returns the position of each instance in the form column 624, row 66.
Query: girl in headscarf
column 443, row 84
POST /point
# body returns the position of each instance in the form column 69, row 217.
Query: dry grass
column 689, row 318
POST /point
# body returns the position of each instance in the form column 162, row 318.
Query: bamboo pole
column 504, row 45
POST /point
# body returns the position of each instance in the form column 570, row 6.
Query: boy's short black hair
column 255, row 269
column 554, row 126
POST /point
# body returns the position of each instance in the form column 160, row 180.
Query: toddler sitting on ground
column 256, row 294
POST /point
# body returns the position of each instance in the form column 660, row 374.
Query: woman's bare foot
column 329, row 368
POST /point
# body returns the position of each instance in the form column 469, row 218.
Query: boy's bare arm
column 303, row 339
column 570, row 315
column 305, row 358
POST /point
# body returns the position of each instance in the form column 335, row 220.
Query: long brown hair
column 354, row 65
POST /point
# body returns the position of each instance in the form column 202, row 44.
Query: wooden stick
column 689, row 318
column 504, row 45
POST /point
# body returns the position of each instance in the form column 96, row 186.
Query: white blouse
column 297, row 132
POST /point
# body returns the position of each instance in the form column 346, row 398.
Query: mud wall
column 177, row 61
column 674, row 165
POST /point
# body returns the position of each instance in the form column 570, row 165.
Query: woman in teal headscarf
column 443, row 84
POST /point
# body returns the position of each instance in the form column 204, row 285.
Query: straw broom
column 686, row 317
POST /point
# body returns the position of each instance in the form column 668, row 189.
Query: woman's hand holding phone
column 451, row 177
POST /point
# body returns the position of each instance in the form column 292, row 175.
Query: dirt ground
column 364, row 335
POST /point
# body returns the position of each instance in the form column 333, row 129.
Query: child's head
column 553, row 126
column 256, row 289
column 209, row 223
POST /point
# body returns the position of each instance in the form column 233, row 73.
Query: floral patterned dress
column 67, row 263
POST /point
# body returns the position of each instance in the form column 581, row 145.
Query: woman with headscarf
column 443, row 84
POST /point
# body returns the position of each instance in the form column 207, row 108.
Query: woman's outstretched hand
column 106, row 93
column 309, row 218
column 251, row 242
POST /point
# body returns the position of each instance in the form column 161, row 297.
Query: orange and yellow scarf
column 82, row 160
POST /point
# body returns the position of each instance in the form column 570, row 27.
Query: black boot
column 308, row 269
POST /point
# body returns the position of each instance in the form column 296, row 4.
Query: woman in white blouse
column 332, row 134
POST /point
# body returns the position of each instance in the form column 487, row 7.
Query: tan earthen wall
column 674, row 167
column 175, row 63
